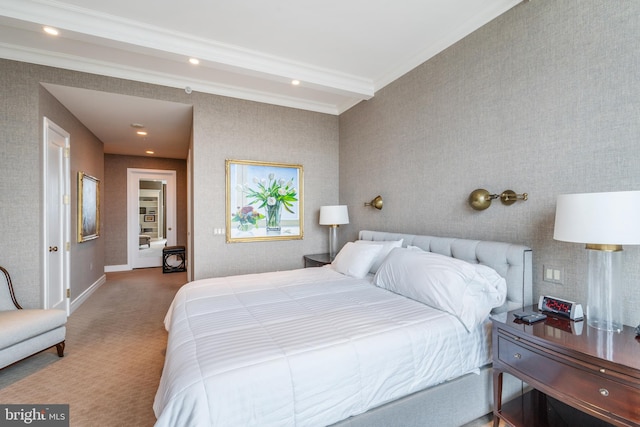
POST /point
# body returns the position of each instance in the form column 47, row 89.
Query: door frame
column 49, row 126
column 133, row 214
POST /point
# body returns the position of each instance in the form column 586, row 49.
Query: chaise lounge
column 25, row 332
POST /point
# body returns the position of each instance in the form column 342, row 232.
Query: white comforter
column 305, row 347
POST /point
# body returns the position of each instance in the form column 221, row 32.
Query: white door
column 143, row 252
column 56, row 217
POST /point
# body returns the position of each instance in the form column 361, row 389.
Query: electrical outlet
column 553, row 274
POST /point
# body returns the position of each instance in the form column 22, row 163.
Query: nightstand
column 567, row 363
column 316, row 260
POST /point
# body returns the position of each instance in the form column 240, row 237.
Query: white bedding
column 305, row 347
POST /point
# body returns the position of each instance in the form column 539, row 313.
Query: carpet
column 114, row 354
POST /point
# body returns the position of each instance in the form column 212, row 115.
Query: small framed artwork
column 143, row 211
column 88, row 207
column 264, row 201
column 149, row 218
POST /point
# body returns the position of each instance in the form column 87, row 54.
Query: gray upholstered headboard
column 511, row 261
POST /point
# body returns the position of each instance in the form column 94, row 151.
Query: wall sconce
column 480, row 199
column 376, row 203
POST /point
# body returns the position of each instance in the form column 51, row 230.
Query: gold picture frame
column 264, row 201
column 88, row 207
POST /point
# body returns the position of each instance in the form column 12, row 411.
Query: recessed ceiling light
column 295, row 82
column 149, row 152
column 142, row 133
column 194, row 61
column 51, row 31
column 137, row 125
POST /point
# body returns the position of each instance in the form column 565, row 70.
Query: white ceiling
column 110, row 117
column 342, row 51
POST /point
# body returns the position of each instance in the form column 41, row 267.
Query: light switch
column 553, row 274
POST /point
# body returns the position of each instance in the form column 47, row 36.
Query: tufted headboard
column 511, row 261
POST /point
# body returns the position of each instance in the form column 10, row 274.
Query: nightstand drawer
column 579, row 383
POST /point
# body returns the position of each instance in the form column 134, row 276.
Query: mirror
column 152, row 213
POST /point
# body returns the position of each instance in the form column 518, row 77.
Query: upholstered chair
column 24, row 332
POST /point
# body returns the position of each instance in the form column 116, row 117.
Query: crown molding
column 112, row 28
column 52, row 59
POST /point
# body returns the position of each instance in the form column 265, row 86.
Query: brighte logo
column 35, row 415
column 27, row 416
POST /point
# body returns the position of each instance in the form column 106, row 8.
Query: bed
column 347, row 344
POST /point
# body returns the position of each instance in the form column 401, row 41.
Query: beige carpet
column 113, row 358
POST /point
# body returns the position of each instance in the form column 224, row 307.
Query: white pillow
column 385, row 248
column 468, row 291
column 355, row 260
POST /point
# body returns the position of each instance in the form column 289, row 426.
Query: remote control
column 530, row 317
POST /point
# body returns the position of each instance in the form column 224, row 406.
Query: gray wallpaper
column 23, row 104
column 20, row 194
column 243, row 130
column 86, row 155
column 115, row 207
column 222, row 128
column 543, row 100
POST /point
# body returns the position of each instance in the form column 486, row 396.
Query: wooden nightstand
column 593, row 371
column 316, row 260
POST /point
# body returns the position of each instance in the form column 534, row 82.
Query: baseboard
column 87, row 293
column 114, row 268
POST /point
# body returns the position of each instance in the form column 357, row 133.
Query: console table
column 593, row 371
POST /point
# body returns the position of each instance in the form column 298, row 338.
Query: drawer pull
column 604, row 392
column 517, row 356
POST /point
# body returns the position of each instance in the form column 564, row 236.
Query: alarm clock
column 560, row 307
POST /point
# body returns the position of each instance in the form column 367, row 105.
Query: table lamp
column 604, row 222
column 333, row 216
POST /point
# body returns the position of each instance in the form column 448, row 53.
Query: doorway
column 56, row 217
column 151, row 215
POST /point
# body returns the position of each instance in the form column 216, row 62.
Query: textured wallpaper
column 115, row 194
column 86, row 155
column 544, row 100
column 223, row 128
column 226, row 128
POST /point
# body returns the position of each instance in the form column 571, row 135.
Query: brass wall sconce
column 376, row 203
column 480, row 199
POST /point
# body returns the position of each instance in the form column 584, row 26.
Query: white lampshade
column 599, row 218
column 605, row 222
column 334, row 215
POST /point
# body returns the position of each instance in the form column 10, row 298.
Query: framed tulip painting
column 264, row 201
